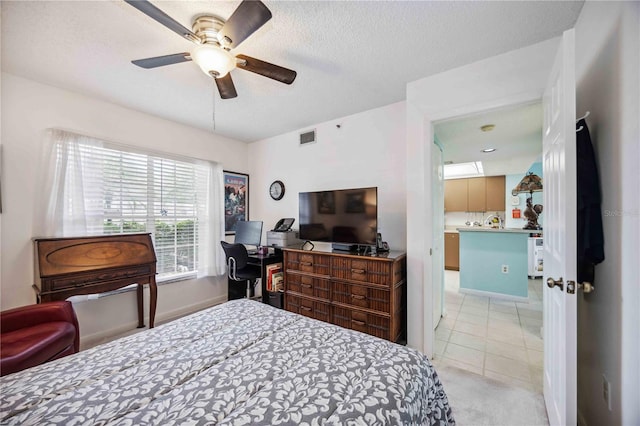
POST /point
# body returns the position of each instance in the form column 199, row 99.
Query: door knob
column 586, row 287
column 551, row 283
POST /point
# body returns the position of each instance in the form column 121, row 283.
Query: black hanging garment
column 590, row 234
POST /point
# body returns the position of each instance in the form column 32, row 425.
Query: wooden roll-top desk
column 66, row 267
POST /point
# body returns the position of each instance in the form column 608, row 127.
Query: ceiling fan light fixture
column 213, row 60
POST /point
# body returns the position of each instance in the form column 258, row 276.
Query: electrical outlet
column 505, row 269
column 606, row 391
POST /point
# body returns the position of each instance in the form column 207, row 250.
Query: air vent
column 308, row 137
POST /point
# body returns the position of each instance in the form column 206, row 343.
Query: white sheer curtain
column 74, row 180
column 211, row 259
column 72, row 184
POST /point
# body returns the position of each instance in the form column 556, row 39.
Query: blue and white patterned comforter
column 238, row 363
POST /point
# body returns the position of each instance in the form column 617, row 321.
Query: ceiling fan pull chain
column 213, row 114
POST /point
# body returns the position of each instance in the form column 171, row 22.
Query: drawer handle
column 306, row 263
column 358, row 271
column 305, row 308
column 306, row 285
column 358, row 322
column 358, row 296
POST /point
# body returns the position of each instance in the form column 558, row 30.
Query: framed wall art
column 236, row 200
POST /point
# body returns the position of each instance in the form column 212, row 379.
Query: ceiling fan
column 215, row 38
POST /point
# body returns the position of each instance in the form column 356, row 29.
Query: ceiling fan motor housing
column 207, row 27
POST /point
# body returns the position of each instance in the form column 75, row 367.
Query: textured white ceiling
column 350, row 56
column 517, row 138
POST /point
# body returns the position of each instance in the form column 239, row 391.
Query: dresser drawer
column 361, row 296
column 368, row 271
column 308, row 307
column 83, row 280
column 309, row 285
column 375, row 325
column 317, row 264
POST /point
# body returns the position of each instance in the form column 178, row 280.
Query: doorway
column 484, row 331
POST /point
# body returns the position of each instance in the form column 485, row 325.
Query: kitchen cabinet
column 452, row 251
column 455, row 195
column 475, row 194
column 495, row 187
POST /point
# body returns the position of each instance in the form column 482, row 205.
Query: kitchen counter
column 489, row 229
column 493, row 262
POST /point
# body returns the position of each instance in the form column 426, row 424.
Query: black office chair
column 237, row 267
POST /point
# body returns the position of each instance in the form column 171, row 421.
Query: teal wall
column 482, row 255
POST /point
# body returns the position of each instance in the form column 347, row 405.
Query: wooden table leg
column 153, row 290
column 140, row 296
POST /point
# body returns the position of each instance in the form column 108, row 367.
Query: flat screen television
column 346, row 216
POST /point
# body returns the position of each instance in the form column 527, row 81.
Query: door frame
column 516, row 77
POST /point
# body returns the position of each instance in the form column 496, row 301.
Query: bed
column 241, row 362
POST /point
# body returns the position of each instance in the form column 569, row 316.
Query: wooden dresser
column 66, row 267
column 361, row 292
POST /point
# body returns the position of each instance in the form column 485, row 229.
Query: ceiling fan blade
column 161, row 61
column 275, row 72
column 244, row 21
column 153, row 12
column 226, row 87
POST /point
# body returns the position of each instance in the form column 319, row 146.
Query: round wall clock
column 276, row 190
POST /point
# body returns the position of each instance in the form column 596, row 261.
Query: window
column 104, row 188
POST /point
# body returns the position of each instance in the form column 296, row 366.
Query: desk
column 68, row 267
column 263, row 260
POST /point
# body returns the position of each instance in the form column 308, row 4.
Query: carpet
column 479, row 400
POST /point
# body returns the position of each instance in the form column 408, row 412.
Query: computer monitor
column 249, row 232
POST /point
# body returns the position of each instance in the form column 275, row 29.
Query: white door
column 437, row 207
column 559, row 175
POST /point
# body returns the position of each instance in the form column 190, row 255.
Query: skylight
column 463, row 170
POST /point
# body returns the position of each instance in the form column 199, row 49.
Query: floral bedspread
column 238, row 363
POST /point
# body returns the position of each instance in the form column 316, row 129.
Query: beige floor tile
column 447, row 322
column 440, row 346
column 508, row 367
column 519, row 353
column 463, row 354
column 537, row 378
column 475, row 303
column 475, row 310
column 515, row 339
column 512, row 327
column 532, row 330
column 533, row 342
column 452, row 309
column 475, row 329
column 533, row 310
column 536, row 358
column 472, row 319
column 467, row 340
column 531, row 321
column 503, row 308
column 443, row 333
column 504, row 316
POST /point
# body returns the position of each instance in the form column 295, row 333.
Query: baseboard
column 494, row 295
column 98, row 338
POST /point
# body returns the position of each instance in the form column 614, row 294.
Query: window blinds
column 123, row 190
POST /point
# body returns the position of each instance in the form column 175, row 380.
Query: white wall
column 28, row 109
column 607, row 56
column 368, row 149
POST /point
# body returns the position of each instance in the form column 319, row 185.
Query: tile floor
column 492, row 337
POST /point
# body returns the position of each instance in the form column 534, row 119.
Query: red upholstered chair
column 35, row 334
